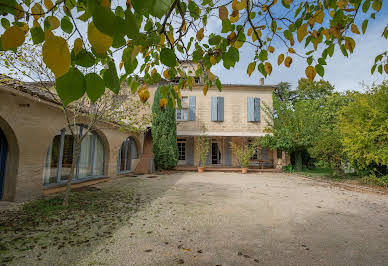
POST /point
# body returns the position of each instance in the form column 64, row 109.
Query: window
column 279, row 154
column 128, row 152
column 185, row 100
column 181, row 114
column 253, row 109
column 217, row 108
column 181, row 149
column 60, row 158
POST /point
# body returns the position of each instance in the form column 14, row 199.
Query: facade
column 36, row 150
column 236, row 114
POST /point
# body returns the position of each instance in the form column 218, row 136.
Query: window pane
column 181, row 151
column 85, row 159
column 128, row 144
column 98, row 169
column 67, row 156
column 52, row 160
column 122, row 156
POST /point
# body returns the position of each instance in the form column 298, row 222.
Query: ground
column 204, row 219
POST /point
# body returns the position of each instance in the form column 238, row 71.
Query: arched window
column 60, row 157
column 128, row 152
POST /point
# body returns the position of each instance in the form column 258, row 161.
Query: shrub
column 375, row 181
column 243, row 153
column 202, row 147
column 164, row 135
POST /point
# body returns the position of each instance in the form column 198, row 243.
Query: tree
column 202, row 147
column 363, row 125
column 164, row 146
column 86, row 33
column 295, row 118
column 122, row 109
column 326, row 145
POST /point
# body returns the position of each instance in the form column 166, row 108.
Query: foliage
column 288, row 168
column 327, row 146
column 164, row 134
column 202, row 147
column 375, row 181
column 363, row 125
column 88, row 34
column 243, row 152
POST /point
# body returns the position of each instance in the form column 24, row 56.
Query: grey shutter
column 191, row 108
column 214, row 108
column 220, row 109
column 228, row 152
column 190, row 150
column 251, row 109
column 257, row 109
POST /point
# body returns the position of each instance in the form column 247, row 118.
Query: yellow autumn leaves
column 56, row 54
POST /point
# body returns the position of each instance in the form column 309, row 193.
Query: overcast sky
column 344, row 73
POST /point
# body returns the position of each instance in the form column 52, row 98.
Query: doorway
column 216, row 153
column 3, row 160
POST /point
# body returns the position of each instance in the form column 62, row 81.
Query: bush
column 288, row 168
column 164, row 135
column 375, row 181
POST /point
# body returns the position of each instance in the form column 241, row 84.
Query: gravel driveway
column 234, row 219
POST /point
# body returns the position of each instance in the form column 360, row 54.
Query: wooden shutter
column 220, row 109
column 251, row 109
column 214, row 108
column 192, row 102
column 190, row 150
column 257, row 109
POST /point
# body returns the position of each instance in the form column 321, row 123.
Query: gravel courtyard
column 233, row 219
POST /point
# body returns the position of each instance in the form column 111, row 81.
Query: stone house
column 36, row 150
column 236, row 114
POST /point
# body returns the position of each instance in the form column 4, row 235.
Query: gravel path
column 234, row 219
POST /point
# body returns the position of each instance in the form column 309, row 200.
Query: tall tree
column 85, row 33
column 164, row 146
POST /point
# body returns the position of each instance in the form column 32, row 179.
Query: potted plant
column 243, row 154
column 202, row 147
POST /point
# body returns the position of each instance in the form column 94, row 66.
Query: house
column 36, row 149
column 235, row 114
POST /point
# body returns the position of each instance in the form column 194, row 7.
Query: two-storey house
column 236, row 114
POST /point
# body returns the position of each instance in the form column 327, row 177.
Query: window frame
column 76, row 178
column 127, row 142
column 186, row 110
column 182, row 141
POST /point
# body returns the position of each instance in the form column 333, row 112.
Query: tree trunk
column 298, row 161
column 74, row 163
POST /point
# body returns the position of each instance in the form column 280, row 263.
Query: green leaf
column 365, row 6
column 120, row 12
column 330, row 49
column 343, row 50
column 71, row 86
column 321, row 61
column 5, row 23
column 309, row 60
column 218, row 83
column 83, row 58
column 95, row 86
column 194, row 10
column 111, row 79
column 167, row 57
column 263, row 55
column 377, row 4
column 373, row 69
column 364, row 26
column 131, row 26
column 37, row 35
column 320, row 70
column 274, row 26
column 66, row 25
column 260, row 67
column 227, row 26
column 380, row 69
column 104, row 20
column 8, row 6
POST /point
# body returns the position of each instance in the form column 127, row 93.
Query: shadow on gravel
column 42, row 229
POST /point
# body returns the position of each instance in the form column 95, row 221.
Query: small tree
column 98, row 104
column 244, row 152
column 202, row 147
column 164, row 147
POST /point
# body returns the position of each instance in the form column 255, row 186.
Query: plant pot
column 244, row 170
column 201, row 169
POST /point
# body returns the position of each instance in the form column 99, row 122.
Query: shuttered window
column 253, row 109
column 217, row 109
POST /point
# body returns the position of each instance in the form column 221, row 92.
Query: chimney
column 261, row 81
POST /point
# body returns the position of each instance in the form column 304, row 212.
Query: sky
column 345, row 73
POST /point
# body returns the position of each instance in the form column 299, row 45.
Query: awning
column 222, row 134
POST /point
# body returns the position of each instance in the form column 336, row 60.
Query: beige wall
column 235, row 109
column 30, row 125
